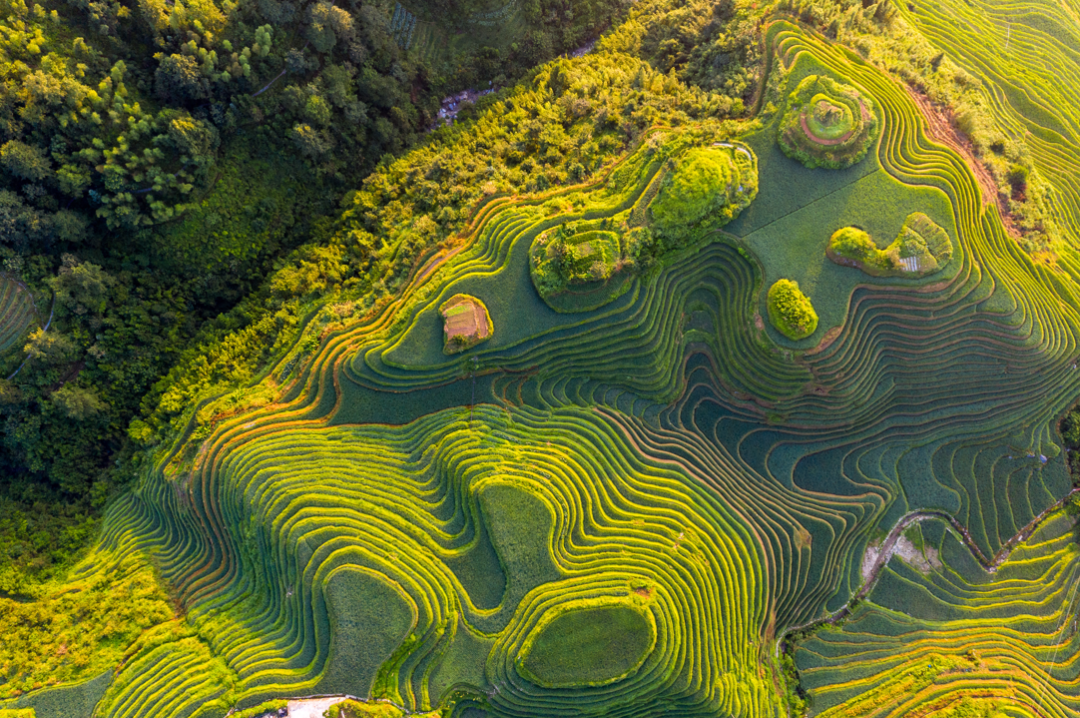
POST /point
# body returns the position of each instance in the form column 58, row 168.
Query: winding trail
column 888, row 548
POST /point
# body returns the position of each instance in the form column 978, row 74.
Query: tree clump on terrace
column 700, row 189
column 567, row 257
column 827, row 124
column 922, row 247
column 706, row 187
column 790, row 311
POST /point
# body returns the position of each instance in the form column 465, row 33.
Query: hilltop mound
column 707, row 185
column 827, row 124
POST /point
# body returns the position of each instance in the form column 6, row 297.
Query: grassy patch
column 697, row 189
column 263, row 709
column 64, row 701
column 521, row 529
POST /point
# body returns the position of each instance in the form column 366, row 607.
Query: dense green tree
column 77, row 402
column 179, row 79
column 81, row 287
column 24, row 161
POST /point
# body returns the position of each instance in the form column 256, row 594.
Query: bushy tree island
column 790, row 311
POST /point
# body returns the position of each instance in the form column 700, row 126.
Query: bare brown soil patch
column 469, row 324
column 469, row 321
column 826, row 341
column 465, row 323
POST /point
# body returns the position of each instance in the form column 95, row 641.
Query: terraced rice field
column 659, row 471
column 1004, row 643
column 1026, row 57
column 17, row 312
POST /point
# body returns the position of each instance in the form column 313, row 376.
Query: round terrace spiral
column 827, row 124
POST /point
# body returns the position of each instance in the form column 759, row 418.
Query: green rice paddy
column 1004, row 642
column 618, row 505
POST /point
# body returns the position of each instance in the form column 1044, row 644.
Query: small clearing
column 922, row 561
column 869, row 559
column 313, row 707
